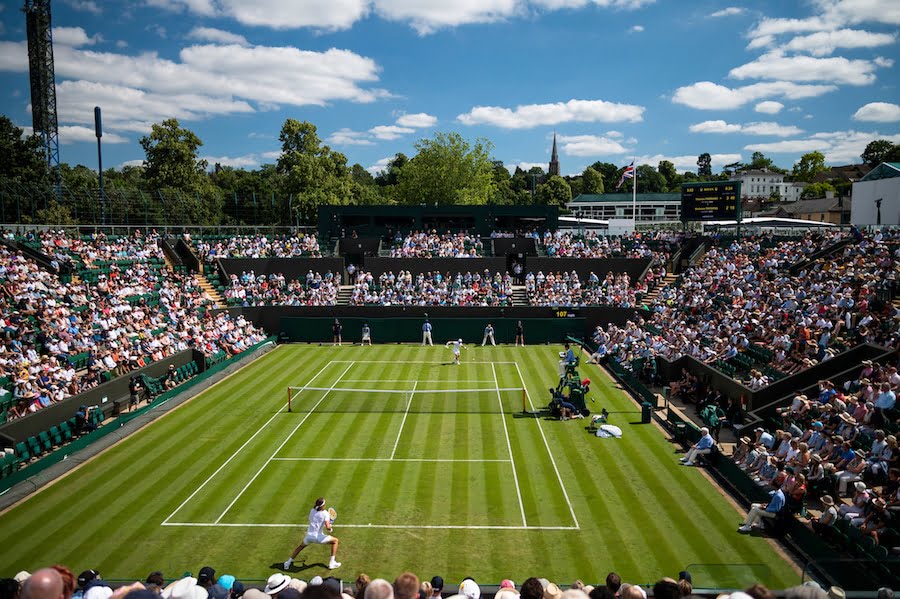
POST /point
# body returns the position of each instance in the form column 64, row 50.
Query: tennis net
column 414, row 400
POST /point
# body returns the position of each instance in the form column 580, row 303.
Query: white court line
column 239, row 449
column 283, row 443
column 550, row 453
column 411, row 362
column 475, row 461
column 371, row 381
column 403, row 422
column 509, row 447
column 405, row 526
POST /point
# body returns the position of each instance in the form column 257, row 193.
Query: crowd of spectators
column 743, row 297
column 90, row 250
column 59, row 582
column 257, row 246
column 836, row 447
column 61, row 338
column 565, row 244
column 432, row 289
column 250, row 289
column 566, row 289
column 431, row 244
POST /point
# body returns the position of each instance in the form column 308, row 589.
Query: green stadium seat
column 34, row 446
column 65, row 430
column 56, row 435
column 45, row 440
column 22, row 451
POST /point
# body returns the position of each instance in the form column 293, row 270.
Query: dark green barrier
column 409, row 330
column 81, row 442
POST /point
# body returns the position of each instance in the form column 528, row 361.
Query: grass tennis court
column 431, row 467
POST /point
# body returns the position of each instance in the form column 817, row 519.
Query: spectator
column 760, row 511
column 702, row 447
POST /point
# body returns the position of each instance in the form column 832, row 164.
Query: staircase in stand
column 343, row 298
column 519, row 297
column 654, row 293
column 208, row 287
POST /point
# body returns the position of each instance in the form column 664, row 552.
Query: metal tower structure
column 43, row 80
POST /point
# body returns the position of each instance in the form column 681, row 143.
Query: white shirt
column 317, row 520
column 456, row 345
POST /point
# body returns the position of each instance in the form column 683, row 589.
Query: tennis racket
column 332, row 514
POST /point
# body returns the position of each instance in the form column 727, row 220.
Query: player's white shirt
column 456, row 345
column 317, row 520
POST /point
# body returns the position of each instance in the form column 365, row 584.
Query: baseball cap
column 226, row 581
column 206, row 575
column 507, row 584
column 469, row 589
column 685, row 575
column 87, row 576
column 437, row 583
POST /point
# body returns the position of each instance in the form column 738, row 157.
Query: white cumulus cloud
column 769, row 107
column 390, row 132
column 535, row 115
column 759, row 128
column 706, row 95
column 589, row 145
column 216, row 36
column 839, row 147
column 420, row 120
column 349, row 137
column 823, row 43
column 70, row 134
column 728, row 12
column 74, row 36
column 878, row 112
column 636, row 29
column 777, row 66
column 248, row 160
column 380, row 165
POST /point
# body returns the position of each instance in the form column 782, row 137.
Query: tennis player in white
column 456, row 345
column 319, row 522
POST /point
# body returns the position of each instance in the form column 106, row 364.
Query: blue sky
column 615, row 79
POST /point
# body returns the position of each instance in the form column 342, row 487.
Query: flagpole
column 634, row 196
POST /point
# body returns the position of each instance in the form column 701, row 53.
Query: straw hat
column 827, row 501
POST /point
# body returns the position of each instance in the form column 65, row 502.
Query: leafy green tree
column 390, row 176
column 180, row 186
column 609, row 171
column 704, row 165
column 22, row 156
column 314, row 174
column 360, row 175
column 671, row 176
column 448, row 170
column 592, row 181
column 810, row 165
column 555, row 192
column 877, row 152
column 816, row 190
column 576, row 185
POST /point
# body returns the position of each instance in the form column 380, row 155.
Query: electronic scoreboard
column 710, row 200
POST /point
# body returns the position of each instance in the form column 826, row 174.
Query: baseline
column 395, row 526
column 239, row 449
column 547, row 446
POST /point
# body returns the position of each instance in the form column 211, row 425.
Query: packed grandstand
column 80, row 309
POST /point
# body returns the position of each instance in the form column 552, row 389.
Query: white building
column 763, row 183
column 651, row 207
column 876, row 197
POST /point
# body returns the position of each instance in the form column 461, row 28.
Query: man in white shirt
column 488, row 335
column 457, row 344
column 319, row 523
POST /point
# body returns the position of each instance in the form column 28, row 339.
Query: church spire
column 554, row 159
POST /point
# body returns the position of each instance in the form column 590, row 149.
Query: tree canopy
column 447, row 169
column 810, row 165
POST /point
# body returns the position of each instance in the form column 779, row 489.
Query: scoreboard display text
column 710, row 200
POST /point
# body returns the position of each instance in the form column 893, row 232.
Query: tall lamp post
column 878, row 207
column 98, row 131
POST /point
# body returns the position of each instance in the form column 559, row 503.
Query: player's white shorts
column 366, row 338
column 321, row 539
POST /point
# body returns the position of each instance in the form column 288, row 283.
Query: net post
column 289, row 399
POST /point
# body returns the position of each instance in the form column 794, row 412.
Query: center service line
column 509, row 447
column 403, row 422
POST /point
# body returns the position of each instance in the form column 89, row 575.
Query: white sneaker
column 288, row 563
column 745, row 529
column 333, row 565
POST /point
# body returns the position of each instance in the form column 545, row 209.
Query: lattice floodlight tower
column 43, row 80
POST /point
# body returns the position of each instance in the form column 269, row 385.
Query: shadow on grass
column 298, row 567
